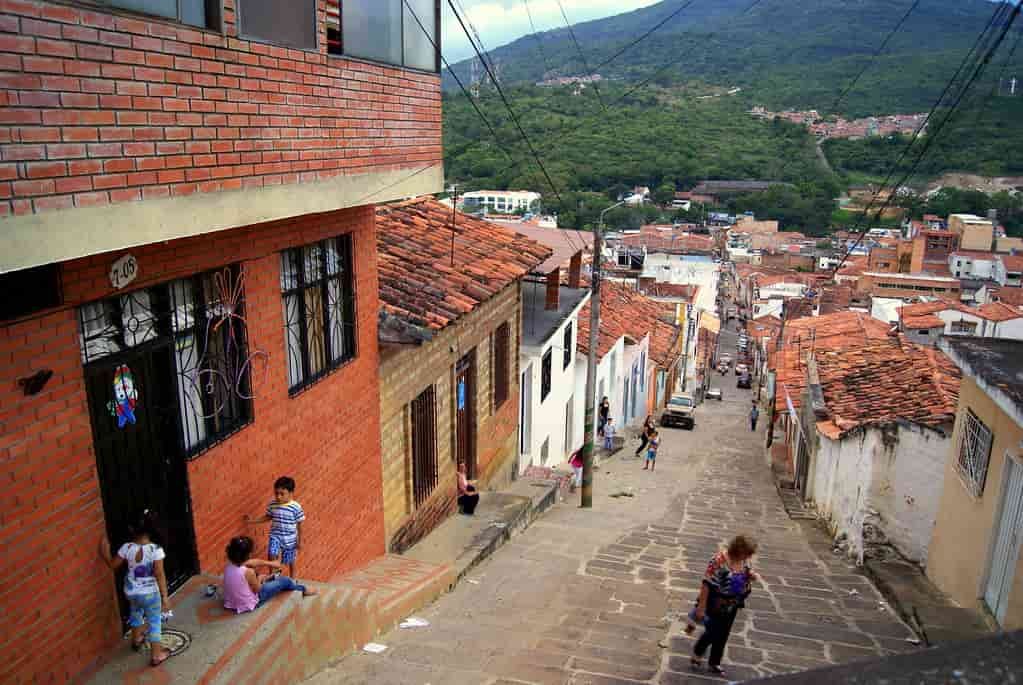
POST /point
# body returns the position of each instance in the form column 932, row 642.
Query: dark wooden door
column 139, row 456
column 465, row 412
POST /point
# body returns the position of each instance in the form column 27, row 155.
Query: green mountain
column 783, row 53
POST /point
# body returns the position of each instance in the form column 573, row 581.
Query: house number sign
column 123, row 271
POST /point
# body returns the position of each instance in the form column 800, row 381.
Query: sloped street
column 585, row 596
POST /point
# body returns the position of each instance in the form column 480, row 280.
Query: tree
column 664, row 194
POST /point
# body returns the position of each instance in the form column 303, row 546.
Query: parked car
column 741, row 369
column 731, row 312
column 725, row 359
column 744, row 381
column 680, row 412
column 714, row 394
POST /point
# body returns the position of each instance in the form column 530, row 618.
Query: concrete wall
column 890, row 477
column 1012, row 329
column 405, row 372
column 634, row 377
column 960, row 550
column 610, row 377
column 549, row 416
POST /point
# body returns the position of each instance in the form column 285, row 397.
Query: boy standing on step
column 285, row 516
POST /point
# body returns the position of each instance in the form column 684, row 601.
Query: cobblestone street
column 585, row 596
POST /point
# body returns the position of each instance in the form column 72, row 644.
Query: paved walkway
column 584, row 596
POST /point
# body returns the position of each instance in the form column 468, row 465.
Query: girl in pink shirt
column 244, row 589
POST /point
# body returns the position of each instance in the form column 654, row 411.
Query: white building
column 501, row 201
column 975, row 264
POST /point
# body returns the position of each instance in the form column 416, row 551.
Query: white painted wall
column 973, row 267
column 548, row 416
column 609, row 377
column 897, row 487
column 636, row 359
column 1012, row 329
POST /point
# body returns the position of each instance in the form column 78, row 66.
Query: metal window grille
column 501, row 364
column 974, row 453
column 567, row 343
column 318, row 292
column 545, row 375
column 203, row 317
column 424, row 445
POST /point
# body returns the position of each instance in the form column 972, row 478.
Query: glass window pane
column 182, row 305
column 162, row 8
column 289, row 270
column 335, row 316
column 193, row 422
column 137, row 318
column 419, row 50
column 291, row 23
column 372, row 29
column 333, row 258
column 314, row 330
column 293, row 339
column 100, row 336
column 313, row 265
column 193, row 12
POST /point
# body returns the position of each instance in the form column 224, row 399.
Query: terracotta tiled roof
column 839, row 331
column 925, row 321
column 625, row 312
column 1012, row 263
column 1013, row 296
column 886, row 381
column 418, row 281
column 975, row 254
column 668, row 241
column 911, row 311
column 685, row 291
column 999, row 311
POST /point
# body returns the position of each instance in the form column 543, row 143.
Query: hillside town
column 282, row 403
column 839, row 127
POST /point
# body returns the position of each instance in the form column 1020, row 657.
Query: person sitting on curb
column 468, row 496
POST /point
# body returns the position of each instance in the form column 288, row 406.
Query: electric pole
column 586, row 500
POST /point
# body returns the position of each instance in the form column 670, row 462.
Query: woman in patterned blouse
column 726, row 584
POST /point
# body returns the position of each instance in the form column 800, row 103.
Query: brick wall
column 98, row 108
column 404, row 373
column 63, row 600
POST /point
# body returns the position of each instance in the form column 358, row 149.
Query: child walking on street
column 609, row 434
column 145, row 583
column 651, row 450
column 576, row 462
column 285, row 516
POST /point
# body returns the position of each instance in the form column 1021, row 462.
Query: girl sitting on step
column 244, row 589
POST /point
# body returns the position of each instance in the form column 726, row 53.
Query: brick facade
column 406, row 371
column 101, row 106
column 63, row 602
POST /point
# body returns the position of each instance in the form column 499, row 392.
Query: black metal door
column 138, row 451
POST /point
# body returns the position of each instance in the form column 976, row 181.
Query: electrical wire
column 646, row 35
column 536, row 37
column 586, row 66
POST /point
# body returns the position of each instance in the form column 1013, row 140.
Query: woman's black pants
column 716, row 637
column 644, row 443
column 467, row 503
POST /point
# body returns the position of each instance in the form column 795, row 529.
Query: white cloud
column 502, row 21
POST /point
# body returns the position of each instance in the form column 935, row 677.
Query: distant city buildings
column 571, row 80
column 500, row 201
column 839, row 127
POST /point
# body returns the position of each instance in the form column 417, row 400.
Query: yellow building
column 975, row 233
column 974, row 554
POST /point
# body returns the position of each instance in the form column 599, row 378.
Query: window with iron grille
column 203, row 318
column 545, row 375
column 568, row 346
column 318, row 289
column 974, row 453
column 424, row 445
column 501, row 364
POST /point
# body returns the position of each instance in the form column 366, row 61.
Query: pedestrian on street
column 576, row 462
column 468, row 495
column 651, row 452
column 605, row 411
column 609, row 434
column 726, row 585
column 754, row 414
column 644, row 436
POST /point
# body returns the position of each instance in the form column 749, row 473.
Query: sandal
column 156, row 661
column 716, row 670
column 136, row 645
column 695, row 664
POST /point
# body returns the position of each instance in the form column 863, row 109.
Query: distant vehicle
column 680, row 412
column 725, row 359
column 714, row 394
column 732, row 311
column 741, row 369
column 744, row 381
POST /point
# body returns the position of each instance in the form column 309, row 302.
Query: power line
column 637, row 41
column 536, row 37
column 507, row 105
column 586, row 66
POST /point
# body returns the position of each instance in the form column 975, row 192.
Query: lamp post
column 586, row 498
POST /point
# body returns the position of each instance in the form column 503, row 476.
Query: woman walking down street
column 726, row 585
column 604, row 412
column 644, row 436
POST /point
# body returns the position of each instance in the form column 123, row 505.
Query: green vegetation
column 659, row 138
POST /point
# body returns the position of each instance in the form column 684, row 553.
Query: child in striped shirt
column 285, row 516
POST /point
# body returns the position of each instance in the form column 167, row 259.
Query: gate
column 1009, row 534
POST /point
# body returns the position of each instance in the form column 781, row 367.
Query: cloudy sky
column 502, row 21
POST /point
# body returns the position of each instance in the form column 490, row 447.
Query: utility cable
column 646, row 35
column 582, row 56
column 536, row 37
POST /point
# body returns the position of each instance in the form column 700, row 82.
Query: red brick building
column 188, row 256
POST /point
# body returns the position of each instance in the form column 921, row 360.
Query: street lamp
column 586, row 498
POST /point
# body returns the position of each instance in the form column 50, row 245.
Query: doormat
column 176, row 641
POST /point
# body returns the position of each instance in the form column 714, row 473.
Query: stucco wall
column 891, row 478
column 960, row 550
column 609, row 371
